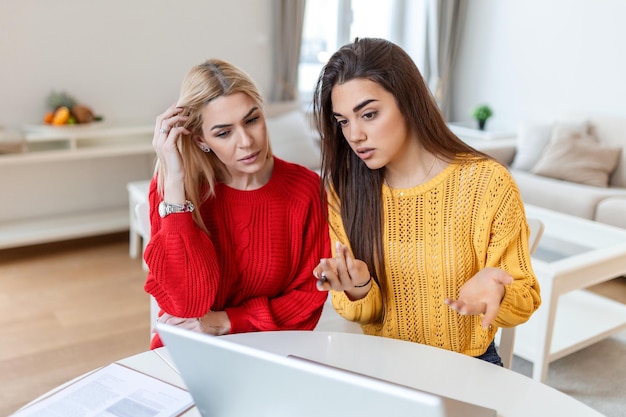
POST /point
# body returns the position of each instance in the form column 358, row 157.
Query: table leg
column 545, row 317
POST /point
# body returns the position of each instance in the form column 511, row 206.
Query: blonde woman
column 236, row 231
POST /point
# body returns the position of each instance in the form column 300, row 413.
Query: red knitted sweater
column 257, row 261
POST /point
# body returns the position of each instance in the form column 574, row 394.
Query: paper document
column 113, row 391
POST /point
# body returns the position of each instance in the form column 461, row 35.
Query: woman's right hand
column 343, row 273
column 167, row 131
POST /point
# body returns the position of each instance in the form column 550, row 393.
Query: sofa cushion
column 533, row 137
column 611, row 131
column 577, row 157
column 292, row 139
column 567, row 197
column 611, row 211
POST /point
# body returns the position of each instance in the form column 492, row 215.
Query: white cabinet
column 71, row 182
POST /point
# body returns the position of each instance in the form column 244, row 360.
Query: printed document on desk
column 113, row 391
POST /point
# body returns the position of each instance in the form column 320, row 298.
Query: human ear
column 200, row 142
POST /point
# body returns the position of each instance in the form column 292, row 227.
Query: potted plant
column 481, row 114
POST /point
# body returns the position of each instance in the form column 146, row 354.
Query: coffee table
column 573, row 254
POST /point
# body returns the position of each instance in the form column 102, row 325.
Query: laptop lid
column 227, row 379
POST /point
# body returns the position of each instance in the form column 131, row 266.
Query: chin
column 373, row 165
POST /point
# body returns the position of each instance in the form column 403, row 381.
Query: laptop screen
column 227, row 379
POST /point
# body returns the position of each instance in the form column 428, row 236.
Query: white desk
column 423, row 367
column 573, row 254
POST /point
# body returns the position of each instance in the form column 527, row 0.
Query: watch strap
column 165, row 209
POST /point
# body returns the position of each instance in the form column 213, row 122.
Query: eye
column 342, row 122
column 252, row 120
column 370, row 115
column 222, row 134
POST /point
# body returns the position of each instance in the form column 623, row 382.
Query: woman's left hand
column 215, row 323
column 482, row 294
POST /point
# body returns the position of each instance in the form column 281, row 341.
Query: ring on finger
column 163, row 130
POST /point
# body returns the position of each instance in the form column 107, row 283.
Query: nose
column 245, row 139
column 356, row 134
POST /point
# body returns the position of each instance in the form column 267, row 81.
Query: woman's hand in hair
column 482, row 294
column 343, row 273
column 167, row 132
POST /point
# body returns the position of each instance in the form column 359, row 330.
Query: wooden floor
column 67, row 308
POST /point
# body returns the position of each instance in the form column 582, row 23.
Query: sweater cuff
column 238, row 324
column 177, row 223
column 363, row 311
column 505, row 317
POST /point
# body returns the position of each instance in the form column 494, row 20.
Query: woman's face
column 234, row 128
column 370, row 121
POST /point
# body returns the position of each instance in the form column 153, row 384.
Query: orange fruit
column 61, row 116
column 47, row 119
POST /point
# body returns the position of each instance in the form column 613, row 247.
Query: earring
column 205, row 148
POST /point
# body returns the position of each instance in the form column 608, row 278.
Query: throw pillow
column 533, row 138
column 579, row 158
column 291, row 137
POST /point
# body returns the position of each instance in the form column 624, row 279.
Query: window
column 328, row 24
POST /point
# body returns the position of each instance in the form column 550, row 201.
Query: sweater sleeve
column 298, row 307
column 183, row 272
column 508, row 250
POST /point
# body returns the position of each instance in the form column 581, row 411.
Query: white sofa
column 292, row 135
column 575, row 165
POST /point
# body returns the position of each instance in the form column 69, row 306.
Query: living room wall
column 125, row 59
column 529, row 59
column 538, row 60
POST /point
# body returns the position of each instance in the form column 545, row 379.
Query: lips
column 248, row 159
column 365, row 153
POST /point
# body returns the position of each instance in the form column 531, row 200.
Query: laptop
column 227, row 379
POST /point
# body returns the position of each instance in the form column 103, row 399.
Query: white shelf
column 71, row 181
column 44, row 133
column 469, row 130
column 69, row 155
column 62, row 227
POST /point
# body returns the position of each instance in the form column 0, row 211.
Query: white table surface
column 419, row 366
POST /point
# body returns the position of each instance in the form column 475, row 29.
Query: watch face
column 162, row 209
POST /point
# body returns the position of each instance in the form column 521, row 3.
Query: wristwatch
column 165, row 209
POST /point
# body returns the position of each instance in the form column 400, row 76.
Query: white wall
column 124, row 58
column 537, row 59
column 529, row 59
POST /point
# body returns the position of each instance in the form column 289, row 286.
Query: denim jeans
column 491, row 355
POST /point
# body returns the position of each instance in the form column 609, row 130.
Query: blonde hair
column 202, row 84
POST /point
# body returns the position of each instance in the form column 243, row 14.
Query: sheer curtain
column 287, row 37
column 444, row 21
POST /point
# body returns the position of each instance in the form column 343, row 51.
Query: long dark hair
column 357, row 187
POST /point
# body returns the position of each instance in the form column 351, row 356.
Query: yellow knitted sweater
column 437, row 236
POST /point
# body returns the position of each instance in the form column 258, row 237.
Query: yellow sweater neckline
column 421, row 188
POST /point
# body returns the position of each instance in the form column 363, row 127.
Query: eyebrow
column 252, row 110
column 358, row 106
